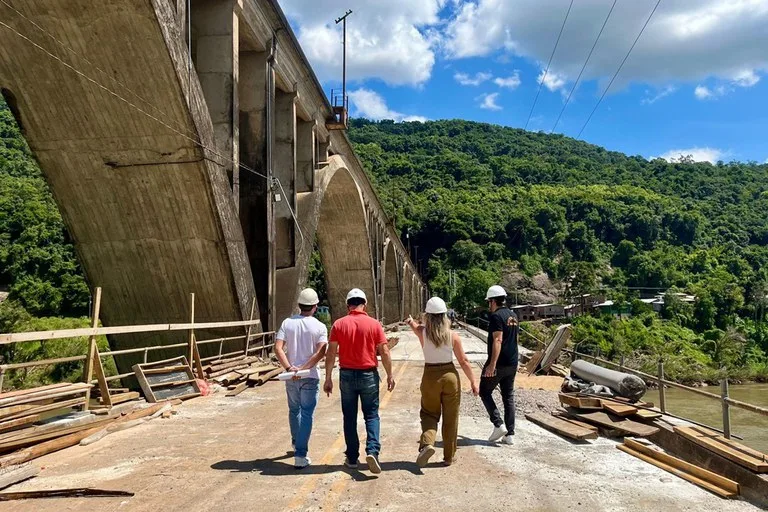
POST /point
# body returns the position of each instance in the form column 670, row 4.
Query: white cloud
column 511, row 82
column 552, row 81
column 488, row 101
column 389, row 40
column 465, row 79
column 702, row 92
column 687, row 40
column 666, row 91
column 705, row 154
column 371, row 105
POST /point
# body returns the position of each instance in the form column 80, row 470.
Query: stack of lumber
column 22, row 408
column 717, row 484
column 241, row 372
column 584, row 416
column 731, row 450
column 62, row 432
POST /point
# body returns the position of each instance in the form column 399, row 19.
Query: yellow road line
column 303, row 493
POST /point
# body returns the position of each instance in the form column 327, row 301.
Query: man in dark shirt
column 501, row 367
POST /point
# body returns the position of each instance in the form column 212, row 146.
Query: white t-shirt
column 437, row 355
column 302, row 336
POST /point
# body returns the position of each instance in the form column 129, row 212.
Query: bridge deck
column 229, row 454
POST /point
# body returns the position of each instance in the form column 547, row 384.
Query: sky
column 695, row 83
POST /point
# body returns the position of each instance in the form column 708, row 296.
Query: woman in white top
column 440, row 384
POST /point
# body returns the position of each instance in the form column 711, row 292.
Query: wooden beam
column 619, row 409
column 88, row 370
column 715, row 483
column 238, row 389
column 580, row 402
column 561, row 426
column 731, row 450
column 16, row 474
column 625, row 425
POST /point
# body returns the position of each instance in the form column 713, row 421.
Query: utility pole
column 343, row 21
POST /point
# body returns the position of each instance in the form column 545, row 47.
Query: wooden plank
column 264, row 377
column 692, row 469
column 240, row 362
column 580, row 402
column 16, row 474
column 21, row 392
column 167, row 369
column 15, row 409
column 227, row 370
column 255, row 369
column 171, row 383
column 45, row 395
column 731, row 450
column 648, row 415
column 619, row 409
column 533, row 363
column 19, row 422
column 124, row 397
column 62, row 493
column 23, row 441
column 723, row 493
column 552, row 352
column 625, row 425
column 238, row 389
column 560, row 426
column 578, row 423
column 38, row 409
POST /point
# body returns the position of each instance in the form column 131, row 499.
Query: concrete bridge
column 195, row 151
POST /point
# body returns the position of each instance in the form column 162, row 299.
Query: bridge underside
column 142, row 146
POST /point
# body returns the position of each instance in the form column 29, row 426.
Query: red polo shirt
column 358, row 336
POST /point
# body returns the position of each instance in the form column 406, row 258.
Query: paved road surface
column 230, row 455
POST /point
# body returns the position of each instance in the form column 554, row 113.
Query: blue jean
column 302, row 400
column 362, row 385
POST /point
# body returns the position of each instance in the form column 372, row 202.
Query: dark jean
column 362, row 386
column 505, row 379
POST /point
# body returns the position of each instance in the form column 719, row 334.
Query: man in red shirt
column 358, row 338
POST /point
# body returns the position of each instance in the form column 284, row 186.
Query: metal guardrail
column 726, row 401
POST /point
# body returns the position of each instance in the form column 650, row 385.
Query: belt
column 371, row 369
column 436, row 365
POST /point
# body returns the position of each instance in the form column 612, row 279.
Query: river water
column 751, row 426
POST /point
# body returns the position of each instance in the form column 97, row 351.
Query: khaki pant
column 440, row 394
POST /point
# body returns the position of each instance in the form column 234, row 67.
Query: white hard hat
column 356, row 293
column 435, row 306
column 495, row 291
column 308, row 297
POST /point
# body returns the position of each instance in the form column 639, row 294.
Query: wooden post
column 250, row 327
column 726, row 408
column 662, row 392
column 194, row 353
column 93, row 361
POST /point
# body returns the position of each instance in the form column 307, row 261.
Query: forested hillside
column 480, row 199
column 483, row 201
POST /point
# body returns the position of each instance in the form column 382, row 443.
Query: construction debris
column 705, row 479
column 731, row 450
column 15, row 474
column 239, row 373
column 622, row 426
column 63, row 493
column 622, row 384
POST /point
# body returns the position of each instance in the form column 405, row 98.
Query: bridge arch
column 392, row 293
column 342, row 237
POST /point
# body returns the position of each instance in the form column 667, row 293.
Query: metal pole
column 726, row 408
column 662, row 396
column 343, row 21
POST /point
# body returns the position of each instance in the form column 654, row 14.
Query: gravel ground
column 526, row 401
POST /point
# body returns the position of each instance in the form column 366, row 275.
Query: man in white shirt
column 300, row 344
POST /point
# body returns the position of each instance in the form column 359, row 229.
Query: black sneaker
column 350, row 464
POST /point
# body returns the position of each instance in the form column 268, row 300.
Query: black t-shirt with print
column 504, row 320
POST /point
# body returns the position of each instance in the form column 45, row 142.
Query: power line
column 618, row 70
column 584, row 66
column 548, row 64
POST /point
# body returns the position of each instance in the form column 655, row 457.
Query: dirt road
column 231, row 454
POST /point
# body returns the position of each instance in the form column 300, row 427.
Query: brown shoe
column 448, row 462
column 424, row 455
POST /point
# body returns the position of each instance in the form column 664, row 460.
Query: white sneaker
column 301, row 462
column 373, row 464
column 508, row 440
column 498, row 433
column 424, row 455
